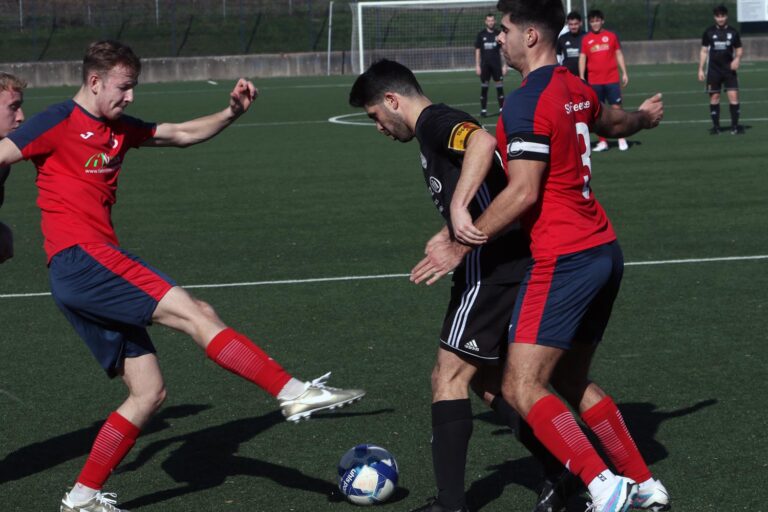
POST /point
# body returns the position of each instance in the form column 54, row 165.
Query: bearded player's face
column 389, row 121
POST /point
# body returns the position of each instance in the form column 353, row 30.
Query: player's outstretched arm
column 620, row 123
column 478, row 158
column 9, row 154
column 203, row 128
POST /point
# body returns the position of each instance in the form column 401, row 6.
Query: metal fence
column 39, row 30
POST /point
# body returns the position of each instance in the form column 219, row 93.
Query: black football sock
column 483, row 96
column 714, row 113
column 735, row 112
column 451, row 430
column 552, row 467
column 500, row 95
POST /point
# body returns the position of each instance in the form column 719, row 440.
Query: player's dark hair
column 102, row 56
column 595, row 13
column 383, row 76
column 489, row 15
column 720, row 10
column 547, row 15
column 573, row 15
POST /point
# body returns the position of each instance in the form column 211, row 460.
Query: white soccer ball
column 367, row 474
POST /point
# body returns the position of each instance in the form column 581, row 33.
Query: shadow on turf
column 204, row 459
column 642, row 418
column 41, row 456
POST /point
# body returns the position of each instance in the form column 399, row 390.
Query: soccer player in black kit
column 473, row 340
column 722, row 44
column 569, row 44
column 488, row 63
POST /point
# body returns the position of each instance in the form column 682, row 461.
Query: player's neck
column 538, row 60
column 414, row 110
column 85, row 100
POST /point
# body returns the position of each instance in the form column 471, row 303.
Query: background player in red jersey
column 566, row 298
column 11, row 116
column 111, row 296
column 721, row 53
column 599, row 62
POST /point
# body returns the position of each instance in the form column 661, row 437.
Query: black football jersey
column 443, row 133
column 569, row 46
column 721, row 42
column 489, row 48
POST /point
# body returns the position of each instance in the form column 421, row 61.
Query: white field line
column 393, row 276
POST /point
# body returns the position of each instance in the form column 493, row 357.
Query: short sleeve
column 736, row 40
column 527, row 137
column 705, row 39
column 137, row 131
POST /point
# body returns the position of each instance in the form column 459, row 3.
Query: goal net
column 429, row 35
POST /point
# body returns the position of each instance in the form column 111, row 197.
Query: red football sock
column 236, row 353
column 605, row 420
column 116, row 437
column 556, row 428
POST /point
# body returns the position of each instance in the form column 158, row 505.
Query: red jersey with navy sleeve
column 548, row 119
column 600, row 49
column 78, row 159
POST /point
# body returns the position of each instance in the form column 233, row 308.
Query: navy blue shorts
column 109, row 296
column 608, row 93
column 569, row 298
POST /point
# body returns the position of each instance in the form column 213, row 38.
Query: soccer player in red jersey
column 565, row 300
column 600, row 60
column 11, row 117
column 109, row 295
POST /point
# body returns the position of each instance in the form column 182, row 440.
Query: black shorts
column 717, row 79
column 476, row 325
column 490, row 70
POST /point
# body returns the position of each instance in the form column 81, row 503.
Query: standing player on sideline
column 721, row 46
column 600, row 60
column 488, row 63
column 11, row 117
column 566, row 298
column 111, row 296
column 472, row 341
column 569, row 44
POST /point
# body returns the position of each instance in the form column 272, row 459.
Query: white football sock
column 292, row 389
column 602, row 483
column 81, row 493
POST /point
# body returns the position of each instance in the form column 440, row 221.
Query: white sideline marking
column 12, row 397
column 391, row 276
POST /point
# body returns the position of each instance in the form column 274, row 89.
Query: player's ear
column 93, row 81
column 531, row 36
column 391, row 100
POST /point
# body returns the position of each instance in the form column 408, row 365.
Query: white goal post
column 425, row 35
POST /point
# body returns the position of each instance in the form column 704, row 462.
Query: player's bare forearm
column 520, row 194
column 621, row 123
column 478, row 159
column 9, row 154
column 203, row 128
column 582, row 65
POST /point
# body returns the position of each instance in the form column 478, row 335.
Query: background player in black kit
column 488, row 63
column 474, row 335
column 569, row 44
column 722, row 44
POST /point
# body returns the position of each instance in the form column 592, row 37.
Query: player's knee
column 151, row 399
column 206, row 310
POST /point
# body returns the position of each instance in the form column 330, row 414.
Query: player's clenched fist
column 242, row 96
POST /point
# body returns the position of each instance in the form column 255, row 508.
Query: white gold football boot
column 318, row 397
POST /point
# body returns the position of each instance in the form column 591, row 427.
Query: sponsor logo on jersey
column 435, row 185
column 460, row 135
column 571, row 107
column 86, row 135
column 101, row 163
